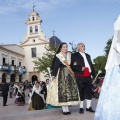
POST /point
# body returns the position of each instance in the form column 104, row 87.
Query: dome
column 55, row 41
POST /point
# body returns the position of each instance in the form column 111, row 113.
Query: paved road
column 15, row 112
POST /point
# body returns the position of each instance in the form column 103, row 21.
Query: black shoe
column 64, row 113
column 68, row 112
column 81, row 110
column 4, row 105
column 90, row 109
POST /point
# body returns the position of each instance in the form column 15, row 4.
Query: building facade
column 18, row 59
column 11, row 63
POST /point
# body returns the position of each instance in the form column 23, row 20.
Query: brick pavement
column 15, row 112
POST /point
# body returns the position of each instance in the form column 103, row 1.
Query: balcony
column 13, row 69
column 4, row 68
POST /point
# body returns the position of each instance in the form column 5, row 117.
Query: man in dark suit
column 5, row 89
column 83, row 68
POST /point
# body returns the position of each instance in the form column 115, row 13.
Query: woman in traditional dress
column 20, row 97
column 37, row 99
column 63, row 90
column 16, row 88
column 44, row 90
column 30, row 95
column 108, row 107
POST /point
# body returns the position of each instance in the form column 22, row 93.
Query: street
column 16, row 112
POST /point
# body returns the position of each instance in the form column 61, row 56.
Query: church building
column 16, row 61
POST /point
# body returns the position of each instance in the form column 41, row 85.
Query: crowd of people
column 96, row 89
column 70, row 83
column 36, row 91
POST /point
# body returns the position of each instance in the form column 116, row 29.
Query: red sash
column 85, row 74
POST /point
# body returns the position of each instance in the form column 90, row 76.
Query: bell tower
column 34, row 44
column 34, row 26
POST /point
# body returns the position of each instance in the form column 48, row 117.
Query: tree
column 73, row 46
column 99, row 64
column 41, row 63
column 100, row 61
column 107, row 48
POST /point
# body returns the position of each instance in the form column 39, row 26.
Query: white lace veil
column 112, row 53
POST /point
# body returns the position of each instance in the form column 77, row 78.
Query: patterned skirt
column 63, row 90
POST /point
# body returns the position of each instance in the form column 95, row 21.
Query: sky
column 87, row 21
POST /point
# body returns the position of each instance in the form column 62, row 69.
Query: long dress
column 20, row 98
column 37, row 100
column 108, row 107
column 63, row 89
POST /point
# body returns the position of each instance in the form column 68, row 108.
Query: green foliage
column 100, row 61
column 99, row 64
column 41, row 63
column 107, row 48
column 73, row 46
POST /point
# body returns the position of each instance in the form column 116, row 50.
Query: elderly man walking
column 83, row 68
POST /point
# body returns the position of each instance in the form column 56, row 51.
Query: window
column 12, row 62
column 36, row 29
column 33, row 18
column 33, row 51
column 19, row 63
column 31, row 30
column 4, row 61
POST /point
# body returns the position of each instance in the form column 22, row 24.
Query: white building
column 13, row 57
